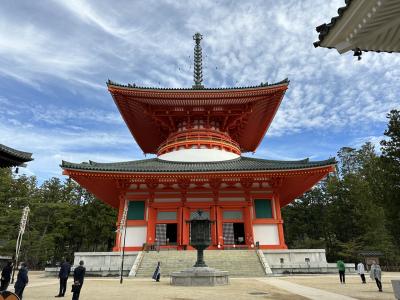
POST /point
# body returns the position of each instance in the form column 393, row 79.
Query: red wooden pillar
column 151, row 220
column 213, row 226
column 220, row 232
column 248, row 222
column 215, row 184
column 120, row 212
column 180, row 226
column 277, row 205
column 185, row 226
column 248, row 225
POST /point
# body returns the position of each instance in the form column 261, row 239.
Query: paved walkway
column 299, row 287
column 305, row 291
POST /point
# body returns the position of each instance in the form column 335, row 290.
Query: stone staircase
column 239, row 263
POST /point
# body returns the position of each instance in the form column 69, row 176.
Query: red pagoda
column 199, row 135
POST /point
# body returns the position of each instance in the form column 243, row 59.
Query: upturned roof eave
column 362, row 26
column 325, row 28
column 17, row 154
column 112, row 84
column 194, row 173
column 88, row 168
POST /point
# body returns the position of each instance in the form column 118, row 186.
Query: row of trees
column 64, row 218
column 356, row 210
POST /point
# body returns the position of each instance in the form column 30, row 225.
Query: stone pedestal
column 396, row 288
column 200, row 276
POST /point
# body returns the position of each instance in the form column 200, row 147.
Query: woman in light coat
column 376, row 274
column 361, row 271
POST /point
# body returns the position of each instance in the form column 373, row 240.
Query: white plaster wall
column 104, row 260
column 198, row 155
column 295, row 256
column 135, row 236
column 266, row 234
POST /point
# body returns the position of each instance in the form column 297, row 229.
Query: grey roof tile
column 134, row 86
column 10, row 157
column 323, row 29
column 156, row 165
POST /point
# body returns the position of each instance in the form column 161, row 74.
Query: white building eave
column 368, row 25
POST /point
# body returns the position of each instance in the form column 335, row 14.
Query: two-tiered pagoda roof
column 215, row 124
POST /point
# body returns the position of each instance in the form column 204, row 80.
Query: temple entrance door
column 161, row 234
column 167, row 234
column 238, row 233
column 229, row 235
column 172, row 233
column 234, row 234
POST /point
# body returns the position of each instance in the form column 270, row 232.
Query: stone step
column 239, row 263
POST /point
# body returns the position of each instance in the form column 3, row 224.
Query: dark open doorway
column 172, row 233
column 238, row 232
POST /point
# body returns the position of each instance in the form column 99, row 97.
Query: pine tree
column 391, row 167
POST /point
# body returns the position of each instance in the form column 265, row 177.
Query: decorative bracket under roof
column 198, row 67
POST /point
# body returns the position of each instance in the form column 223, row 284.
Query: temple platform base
column 200, row 276
column 100, row 263
column 254, row 263
column 300, row 261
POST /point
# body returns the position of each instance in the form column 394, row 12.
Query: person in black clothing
column 63, row 274
column 6, row 276
column 79, row 275
column 22, row 280
column 157, row 273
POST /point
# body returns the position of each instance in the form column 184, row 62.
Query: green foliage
column 64, row 218
column 358, row 209
column 391, row 171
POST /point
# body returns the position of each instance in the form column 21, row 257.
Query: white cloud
column 51, row 146
column 75, row 46
column 374, row 140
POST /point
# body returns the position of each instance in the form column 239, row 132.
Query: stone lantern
column 200, row 236
column 200, row 274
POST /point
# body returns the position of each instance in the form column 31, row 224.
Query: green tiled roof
column 156, row 165
column 10, row 157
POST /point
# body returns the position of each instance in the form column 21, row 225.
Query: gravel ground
column 353, row 286
column 44, row 288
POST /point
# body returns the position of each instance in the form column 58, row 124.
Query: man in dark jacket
column 6, row 276
column 22, row 280
column 63, row 274
column 79, row 275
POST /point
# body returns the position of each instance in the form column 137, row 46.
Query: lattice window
column 229, row 236
column 161, row 234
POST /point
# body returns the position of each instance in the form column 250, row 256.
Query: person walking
column 376, row 274
column 342, row 269
column 6, row 276
column 22, row 280
column 63, row 274
column 157, row 272
column 361, row 271
column 79, row 275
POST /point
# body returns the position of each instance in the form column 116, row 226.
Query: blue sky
column 55, row 57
